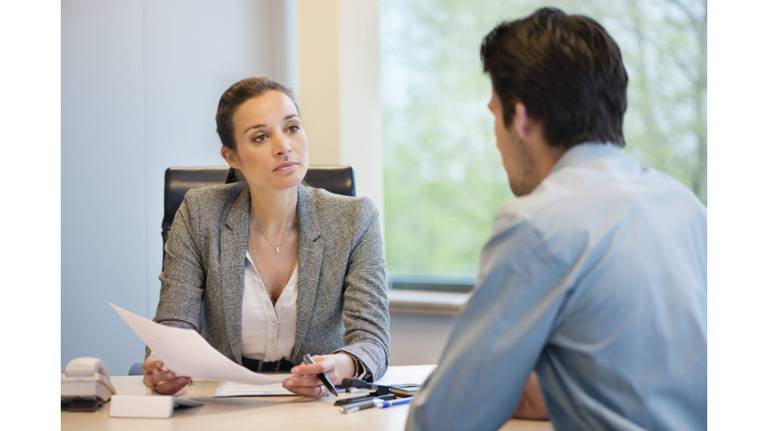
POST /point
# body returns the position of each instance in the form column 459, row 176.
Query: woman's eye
column 259, row 138
column 293, row 129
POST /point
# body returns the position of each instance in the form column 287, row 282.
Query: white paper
column 230, row 389
column 406, row 374
column 400, row 375
column 188, row 354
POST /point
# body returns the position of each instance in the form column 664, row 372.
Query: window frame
column 432, row 283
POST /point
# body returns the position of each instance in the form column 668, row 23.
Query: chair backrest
column 335, row 179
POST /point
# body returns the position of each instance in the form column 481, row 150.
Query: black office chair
column 335, row 179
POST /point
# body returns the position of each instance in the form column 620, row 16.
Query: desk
column 258, row 413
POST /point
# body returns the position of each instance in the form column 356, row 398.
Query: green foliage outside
column 443, row 176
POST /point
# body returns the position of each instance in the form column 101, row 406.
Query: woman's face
column 271, row 146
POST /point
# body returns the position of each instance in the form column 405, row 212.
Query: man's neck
column 545, row 156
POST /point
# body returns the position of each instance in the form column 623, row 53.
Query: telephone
column 85, row 385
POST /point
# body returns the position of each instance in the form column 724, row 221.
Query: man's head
column 558, row 81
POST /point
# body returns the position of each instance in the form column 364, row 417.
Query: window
column 443, row 177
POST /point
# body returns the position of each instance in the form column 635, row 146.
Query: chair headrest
column 179, row 180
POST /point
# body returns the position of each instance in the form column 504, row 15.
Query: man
column 595, row 277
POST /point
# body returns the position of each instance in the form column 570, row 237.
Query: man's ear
column 522, row 122
column 230, row 156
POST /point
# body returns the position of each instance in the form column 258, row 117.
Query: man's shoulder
column 578, row 205
column 578, row 194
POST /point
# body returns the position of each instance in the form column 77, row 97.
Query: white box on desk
column 147, row 406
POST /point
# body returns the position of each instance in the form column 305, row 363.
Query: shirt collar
column 586, row 152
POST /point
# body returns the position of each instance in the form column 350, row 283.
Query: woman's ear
column 230, row 156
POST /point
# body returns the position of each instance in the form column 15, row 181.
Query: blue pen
column 398, row 402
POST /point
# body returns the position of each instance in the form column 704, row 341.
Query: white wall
column 140, row 84
column 338, row 91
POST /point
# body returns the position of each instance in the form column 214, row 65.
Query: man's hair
column 565, row 69
column 237, row 94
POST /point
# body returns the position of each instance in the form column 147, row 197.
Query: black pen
column 323, row 378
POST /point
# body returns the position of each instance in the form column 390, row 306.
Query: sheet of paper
column 231, row 389
column 408, row 374
column 188, row 354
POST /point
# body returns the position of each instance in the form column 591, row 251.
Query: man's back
column 598, row 280
column 629, row 340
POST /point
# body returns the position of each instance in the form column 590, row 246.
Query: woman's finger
column 307, row 369
column 333, row 376
column 324, row 365
column 151, row 364
column 156, row 376
column 305, row 381
column 307, row 391
column 152, row 377
column 170, row 387
column 165, row 382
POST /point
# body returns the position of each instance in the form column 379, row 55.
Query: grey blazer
column 342, row 295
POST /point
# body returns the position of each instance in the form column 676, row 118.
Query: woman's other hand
column 304, row 381
column 161, row 379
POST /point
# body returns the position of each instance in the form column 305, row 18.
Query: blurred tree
column 443, row 177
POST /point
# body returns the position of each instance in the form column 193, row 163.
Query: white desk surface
column 261, row 413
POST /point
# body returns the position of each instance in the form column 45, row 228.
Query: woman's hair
column 237, row 94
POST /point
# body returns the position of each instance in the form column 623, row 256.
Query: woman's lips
column 285, row 167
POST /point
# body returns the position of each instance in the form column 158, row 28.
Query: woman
column 281, row 269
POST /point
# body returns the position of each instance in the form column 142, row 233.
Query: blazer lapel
column 234, row 241
column 311, row 247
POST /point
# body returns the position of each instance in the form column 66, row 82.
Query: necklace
column 273, row 245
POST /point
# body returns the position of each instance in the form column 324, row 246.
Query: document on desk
column 402, row 375
column 230, row 389
column 406, row 374
column 188, row 354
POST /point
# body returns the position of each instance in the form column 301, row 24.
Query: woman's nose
column 281, row 144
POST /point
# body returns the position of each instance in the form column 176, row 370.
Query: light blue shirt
column 597, row 280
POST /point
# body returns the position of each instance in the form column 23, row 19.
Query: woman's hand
column 161, row 379
column 304, row 381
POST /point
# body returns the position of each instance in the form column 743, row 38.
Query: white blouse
column 268, row 331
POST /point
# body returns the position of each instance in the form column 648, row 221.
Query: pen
column 398, row 402
column 323, row 378
column 362, row 405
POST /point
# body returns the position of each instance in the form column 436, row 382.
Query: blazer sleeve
column 183, row 279
column 366, row 305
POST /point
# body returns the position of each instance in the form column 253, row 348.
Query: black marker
column 323, row 378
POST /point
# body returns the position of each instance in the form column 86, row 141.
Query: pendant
column 277, row 249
